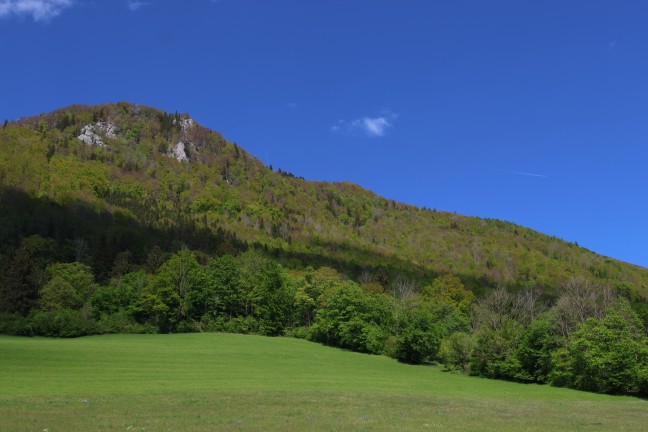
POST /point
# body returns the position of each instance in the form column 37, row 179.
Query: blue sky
column 534, row 112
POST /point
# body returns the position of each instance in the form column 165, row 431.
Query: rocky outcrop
column 109, row 129
column 178, row 152
column 90, row 133
column 186, row 124
column 95, row 135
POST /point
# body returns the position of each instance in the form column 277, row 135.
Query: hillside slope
column 100, row 180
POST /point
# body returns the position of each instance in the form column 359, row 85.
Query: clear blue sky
column 534, row 112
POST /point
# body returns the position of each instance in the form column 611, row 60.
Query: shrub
column 64, row 323
column 15, row 324
column 121, row 322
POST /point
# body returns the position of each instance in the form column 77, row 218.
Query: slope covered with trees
column 213, row 196
column 123, row 218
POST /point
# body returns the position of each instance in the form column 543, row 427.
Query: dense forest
column 123, row 218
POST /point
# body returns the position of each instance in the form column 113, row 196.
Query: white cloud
column 370, row 126
column 40, row 10
column 134, row 5
column 375, row 126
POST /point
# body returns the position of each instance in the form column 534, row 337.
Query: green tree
column 24, row 274
column 495, row 349
column 154, row 259
column 17, row 293
column 609, row 355
column 122, row 264
column 456, row 351
column 536, row 346
column 227, row 296
column 69, row 286
column 351, row 318
column 268, row 299
column 419, row 334
column 449, row 289
column 123, row 294
column 171, row 297
column 307, row 294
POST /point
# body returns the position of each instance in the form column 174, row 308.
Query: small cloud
column 522, row 173
column 134, row 5
column 373, row 127
column 291, row 105
column 40, row 10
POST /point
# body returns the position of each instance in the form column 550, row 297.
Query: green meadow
column 207, row 381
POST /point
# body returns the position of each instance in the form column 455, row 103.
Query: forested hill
column 100, row 184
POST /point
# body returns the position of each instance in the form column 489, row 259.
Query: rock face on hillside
column 90, row 133
column 186, row 123
column 178, row 152
column 94, row 135
column 179, row 149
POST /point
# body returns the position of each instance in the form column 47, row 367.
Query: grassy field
column 200, row 382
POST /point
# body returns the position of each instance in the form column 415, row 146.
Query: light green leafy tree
column 267, row 297
column 69, row 286
column 449, row 289
column 170, row 298
column 456, row 351
column 609, row 355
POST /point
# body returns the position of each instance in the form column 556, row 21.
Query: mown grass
column 196, row 382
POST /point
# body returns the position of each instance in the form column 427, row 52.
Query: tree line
column 589, row 338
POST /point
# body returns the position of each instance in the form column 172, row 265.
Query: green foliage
column 419, row 335
column 121, row 322
column 449, row 289
column 268, row 297
column 494, row 353
column 351, row 318
column 123, row 294
column 537, row 343
column 225, row 190
column 23, row 274
column 15, row 324
column 309, row 290
column 69, row 286
column 226, row 288
column 177, row 292
column 422, row 325
column 608, row 355
column 456, row 351
column 63, row 323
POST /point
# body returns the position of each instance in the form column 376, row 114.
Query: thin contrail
column 525, row 173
